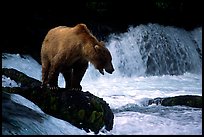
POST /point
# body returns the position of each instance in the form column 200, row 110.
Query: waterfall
column 154, row 49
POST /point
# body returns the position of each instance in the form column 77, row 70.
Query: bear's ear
column 97, row 47
column 102, row 43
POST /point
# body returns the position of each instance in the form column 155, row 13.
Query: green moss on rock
column 82, row 109
column 187, row 100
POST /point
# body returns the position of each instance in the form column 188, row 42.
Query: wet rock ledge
column 81, row 109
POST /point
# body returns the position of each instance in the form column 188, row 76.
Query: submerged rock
column 186, row 100
column 81, row 109
column 19, row 77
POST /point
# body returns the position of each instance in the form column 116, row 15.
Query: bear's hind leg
column 45, row 71
column 53, row 78
column 53, row 75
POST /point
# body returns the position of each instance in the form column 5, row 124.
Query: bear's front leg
column 77, row 75
column 67, row 74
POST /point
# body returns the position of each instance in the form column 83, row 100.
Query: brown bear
column 68, row 50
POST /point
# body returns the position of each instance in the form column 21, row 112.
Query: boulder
column 82, row 109
column 185, row 100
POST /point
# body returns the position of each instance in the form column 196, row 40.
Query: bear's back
column 65, row 36
column 59, row 30
column 79, row 28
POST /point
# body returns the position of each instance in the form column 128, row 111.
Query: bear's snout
column 109, row 69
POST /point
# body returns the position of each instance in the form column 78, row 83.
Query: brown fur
column 68, row 50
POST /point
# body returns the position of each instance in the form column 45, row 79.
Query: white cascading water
column 155, row 50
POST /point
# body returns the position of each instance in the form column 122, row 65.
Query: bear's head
column 103, row 59
column 100, row 57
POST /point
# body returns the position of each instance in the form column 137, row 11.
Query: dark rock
column 186, row 100
column 82, row 109
column 21, row 78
